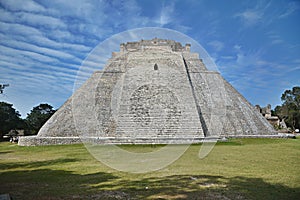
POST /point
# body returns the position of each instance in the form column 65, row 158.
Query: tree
column 290, row 108
column 9, row 118
column 38, row 116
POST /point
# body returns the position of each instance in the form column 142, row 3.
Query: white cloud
column 247, row 59
column 32, row 70
column 81, row 16
column 18, row 29
column 259, row 14
column 24, row 53
column 274, row 37
column 217, row 45
column 265, row 13
column 41, row 53
column 81, row 9
column 21, row 5
column 237, row 47
column 227, row 57
column 31, row 34
column 250, row 17
column 251, row 71
column 296, row 61
column 40, row 20
column 166, row 15
column 290, row 8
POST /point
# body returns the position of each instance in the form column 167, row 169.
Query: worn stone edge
column 38, row 141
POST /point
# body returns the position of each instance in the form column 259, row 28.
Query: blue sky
column 255, row 44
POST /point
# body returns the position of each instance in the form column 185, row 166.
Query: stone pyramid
column 152, row 91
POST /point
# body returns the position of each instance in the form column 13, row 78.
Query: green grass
column 239, row 169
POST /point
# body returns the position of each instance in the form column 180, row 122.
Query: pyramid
column 152, row 91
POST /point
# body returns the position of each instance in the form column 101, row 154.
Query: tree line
column 10, row 118
column 290, row 108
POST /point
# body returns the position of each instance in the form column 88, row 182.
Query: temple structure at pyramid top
column 169, row 45
column 153, row 91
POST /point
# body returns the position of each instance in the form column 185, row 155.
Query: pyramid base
column 40, row 141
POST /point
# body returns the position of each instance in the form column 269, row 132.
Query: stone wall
column 40, row 140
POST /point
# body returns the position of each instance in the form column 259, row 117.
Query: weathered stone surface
column 40, row 140
column 152, row 91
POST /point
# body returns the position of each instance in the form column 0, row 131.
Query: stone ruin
column 267, row 113
column 152, row 91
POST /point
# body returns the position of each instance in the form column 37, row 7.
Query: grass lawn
column 239, row 169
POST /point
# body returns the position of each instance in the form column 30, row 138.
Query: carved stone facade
column 153, row 91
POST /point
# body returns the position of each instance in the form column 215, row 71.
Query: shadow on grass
column 4, row 152
column 62, row 184
column 205, row 187
column 13, row 165
column 49, row 184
